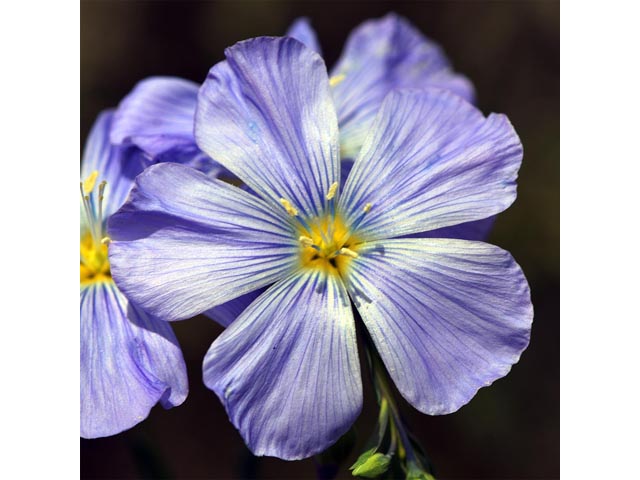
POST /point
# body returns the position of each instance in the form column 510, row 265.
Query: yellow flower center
column 94, row 260
column 326, row 242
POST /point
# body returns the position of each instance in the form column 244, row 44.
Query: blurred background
column 510, row 50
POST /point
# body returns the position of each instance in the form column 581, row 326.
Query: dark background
column 510, row 50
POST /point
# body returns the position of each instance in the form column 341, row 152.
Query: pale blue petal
column 184, row 243
column 287, row 369
column 447, row 316
column 117, row 165
column 382, row 55
column 267, row 115
column 302, row 31
column 227, row 312
column 157, row 116
column 128, row 363
column 431, row 160
column 478, row 230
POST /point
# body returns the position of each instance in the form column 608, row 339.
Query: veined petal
column 129, row 361
column 267, row 115
column 117, row 165
column 477, row 230
column 287, row 369
column 447, row 316
column 431, row 160
column 380, row 56
column 302, row 31
column 157, row 116
column 184, row 243
column 227, row 312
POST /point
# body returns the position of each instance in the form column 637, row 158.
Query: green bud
column 363, row 458
column 417, row 474
column 370, row 464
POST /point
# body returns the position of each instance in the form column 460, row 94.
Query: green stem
column 386, row 399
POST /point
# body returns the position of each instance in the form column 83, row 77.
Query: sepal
column 371, row 464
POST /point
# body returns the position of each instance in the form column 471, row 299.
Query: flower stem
column 400, row 442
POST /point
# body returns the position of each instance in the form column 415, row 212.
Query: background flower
column 129, row 360
column 510, row 50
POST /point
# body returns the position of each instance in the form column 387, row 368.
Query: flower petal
column 184, row 243
column 302, row 31
column 431, row 160
column 227, row 312
column 117, row 165
column 157, row 116
column 382, row 55
column 128, row 362
column 267, row 115
column 447, row 316
column 287, row 369
column 478, row 230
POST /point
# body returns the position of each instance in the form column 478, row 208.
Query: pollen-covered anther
column 306, row 241
column 89, row 183
column 336, row 79
column 291, row 210
column 347, row 252
column 105, row 241
column 332, row 190
column 367, row 207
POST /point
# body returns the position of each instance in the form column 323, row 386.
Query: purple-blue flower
column 129, row 360
column 446, row 316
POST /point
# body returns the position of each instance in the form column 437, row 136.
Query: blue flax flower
column 128, row 360
column 447, row 316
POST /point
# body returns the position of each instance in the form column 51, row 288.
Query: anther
column 90, row 182
column 347, row 252
column 105, row 241
column 291, row 210
column 367, row 207
column 332, row 190
column 306, row 241
column 336, row 79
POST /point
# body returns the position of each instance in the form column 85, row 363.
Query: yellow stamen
column 348, row 252
column 288, row 207
column 306, row 241
column 90, row 182
column 367, row 207
column 105, row 241
column 332, row 190
column 336, row 79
